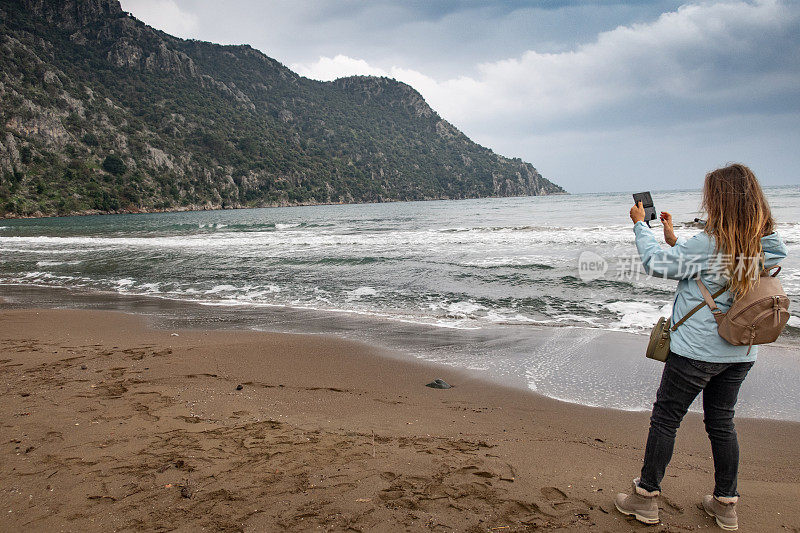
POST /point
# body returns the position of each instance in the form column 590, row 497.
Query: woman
column 728, row 252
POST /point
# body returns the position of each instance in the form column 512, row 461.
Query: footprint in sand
column 144, row 412
column 670, row 507
column 389, row 476
column 190, row 419
column 554, row 494
column 54, row 435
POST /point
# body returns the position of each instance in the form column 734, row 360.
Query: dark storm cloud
column 445, row 38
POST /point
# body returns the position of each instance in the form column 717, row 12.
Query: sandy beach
column 109, row 424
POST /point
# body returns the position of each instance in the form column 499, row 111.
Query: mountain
column 102, row 113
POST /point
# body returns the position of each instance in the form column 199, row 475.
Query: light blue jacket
column 697, row 338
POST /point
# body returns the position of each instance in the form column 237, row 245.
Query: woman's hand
column 637, row 213
column 669, row 230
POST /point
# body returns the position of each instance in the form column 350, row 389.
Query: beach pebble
column 239, row 387
column 438, row 384
column 83, row 367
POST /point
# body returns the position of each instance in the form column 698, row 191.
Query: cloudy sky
column 600, row 95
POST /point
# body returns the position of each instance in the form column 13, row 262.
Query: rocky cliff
column 102, row 113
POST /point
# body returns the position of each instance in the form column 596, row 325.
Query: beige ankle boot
column 642, row 504
column 723, row 510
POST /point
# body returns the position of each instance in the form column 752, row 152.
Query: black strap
column 697, row 308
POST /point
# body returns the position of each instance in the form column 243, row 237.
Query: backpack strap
column 708, row 300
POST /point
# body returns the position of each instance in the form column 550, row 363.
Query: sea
column 491, row 286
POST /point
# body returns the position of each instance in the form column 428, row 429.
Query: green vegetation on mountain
column 102, row 113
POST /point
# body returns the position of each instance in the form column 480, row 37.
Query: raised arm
column 686, row 259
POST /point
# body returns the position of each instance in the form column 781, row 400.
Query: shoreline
column 576, row 365
column 584, row 360
column 110, row 423
column 212, row 207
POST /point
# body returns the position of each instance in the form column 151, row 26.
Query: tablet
column 647, row 203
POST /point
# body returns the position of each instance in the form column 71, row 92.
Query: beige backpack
column 758, row 317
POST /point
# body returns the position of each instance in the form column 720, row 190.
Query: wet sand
column 108, row 424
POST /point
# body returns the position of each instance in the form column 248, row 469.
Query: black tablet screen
column 647, row 203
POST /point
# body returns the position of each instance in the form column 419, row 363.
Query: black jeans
column 681, row 382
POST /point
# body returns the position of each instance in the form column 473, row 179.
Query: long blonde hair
column 738, row 216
